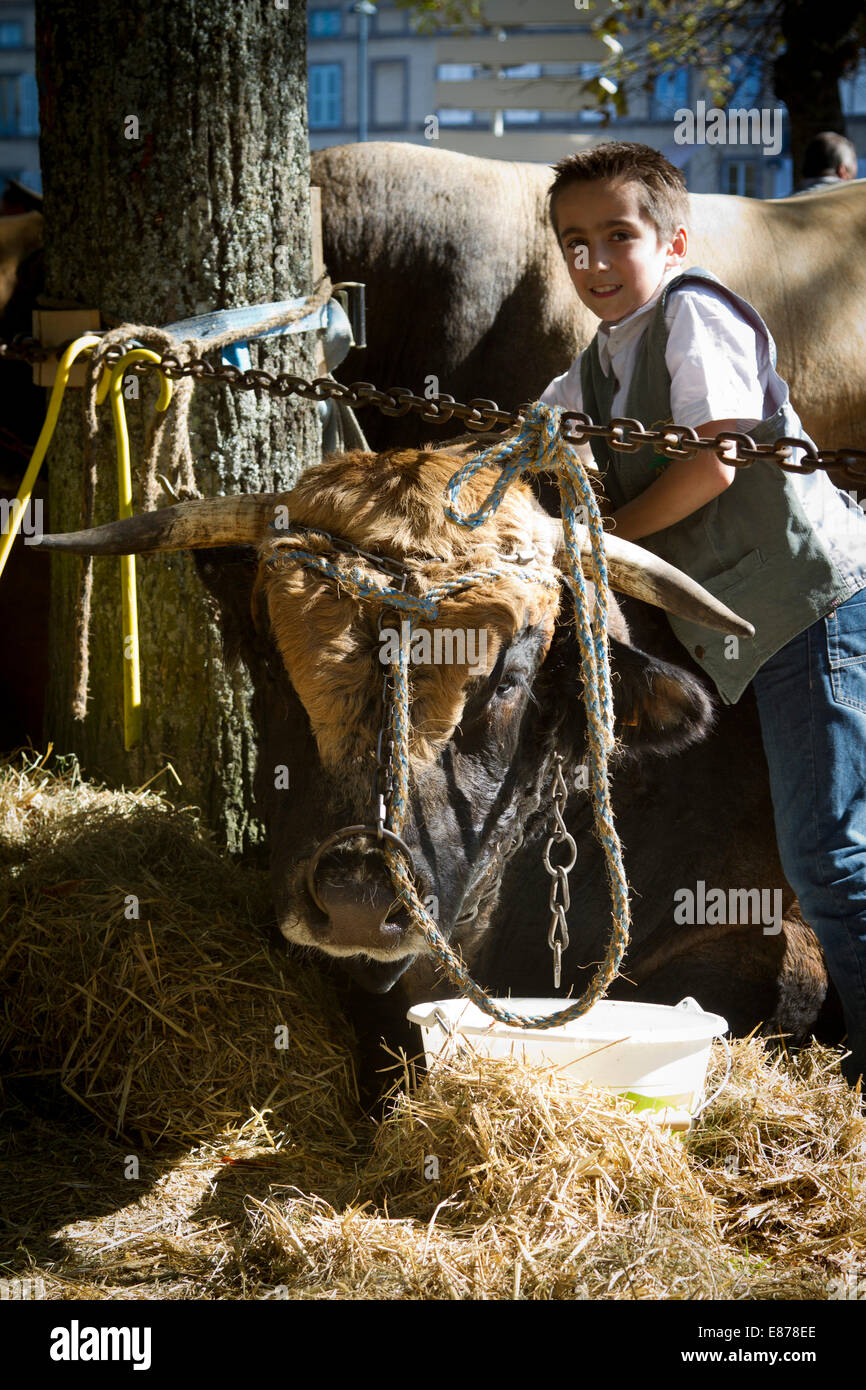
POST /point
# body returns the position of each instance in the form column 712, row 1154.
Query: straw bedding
column 163, row 1144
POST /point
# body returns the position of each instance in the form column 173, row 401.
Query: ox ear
column 658, row 707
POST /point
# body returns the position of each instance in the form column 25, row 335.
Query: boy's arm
column 684, row 487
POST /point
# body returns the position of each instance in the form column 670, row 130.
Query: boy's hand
column 685, row 486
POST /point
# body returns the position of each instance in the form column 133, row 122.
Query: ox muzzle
column 362, row 914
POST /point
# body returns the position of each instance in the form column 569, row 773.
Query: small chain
column 479, row 414
column 560, row 898
column 383, row 775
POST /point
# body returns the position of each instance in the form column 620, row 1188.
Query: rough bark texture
column 206, row 208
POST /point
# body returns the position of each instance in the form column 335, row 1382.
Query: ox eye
column 507, row 686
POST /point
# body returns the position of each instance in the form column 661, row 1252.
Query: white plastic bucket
column 654, row 1054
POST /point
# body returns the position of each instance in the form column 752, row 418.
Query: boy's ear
column 658, row 707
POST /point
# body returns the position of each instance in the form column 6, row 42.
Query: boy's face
column 620, row 260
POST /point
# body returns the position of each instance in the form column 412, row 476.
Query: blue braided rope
column 427, row 605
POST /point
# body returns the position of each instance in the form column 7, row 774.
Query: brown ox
column 691, row 799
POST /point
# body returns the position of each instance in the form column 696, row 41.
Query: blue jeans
column 812, row 703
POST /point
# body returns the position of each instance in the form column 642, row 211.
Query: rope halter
column 536, row 447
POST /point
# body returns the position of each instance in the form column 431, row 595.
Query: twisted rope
column 167, row 444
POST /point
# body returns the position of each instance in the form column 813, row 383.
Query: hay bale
column 138, row 972
column 784, row 1149
column 163, row 1026
column 493, row 1180
column 548, row 1189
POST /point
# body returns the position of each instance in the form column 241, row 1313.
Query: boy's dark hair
column 664, row 199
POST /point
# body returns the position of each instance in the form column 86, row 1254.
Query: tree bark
column 200, row 202
column 819, row 48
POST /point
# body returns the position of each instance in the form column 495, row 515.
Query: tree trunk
column 200, row 202
column 819, row 48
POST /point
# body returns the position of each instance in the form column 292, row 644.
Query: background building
column 518, row 94
column 515, row 93
column 19, row 99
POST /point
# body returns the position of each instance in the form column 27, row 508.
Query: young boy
column 786, row 551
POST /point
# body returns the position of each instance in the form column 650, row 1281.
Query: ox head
column 485, row 717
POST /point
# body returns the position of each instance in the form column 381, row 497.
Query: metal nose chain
column 383, row 773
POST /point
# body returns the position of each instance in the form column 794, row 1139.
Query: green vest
column 753, row 546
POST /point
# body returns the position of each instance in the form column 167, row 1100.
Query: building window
column 741, row 177
column 456, row 72
column 390, row 90
column 519, row 117
column 455, row 115
column 524, row 70
column 19, row 104
column 11, row 35
column 670, row 94
column 325, row 24
column 326, row 96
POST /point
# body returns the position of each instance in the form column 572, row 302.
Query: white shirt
column 720, row 369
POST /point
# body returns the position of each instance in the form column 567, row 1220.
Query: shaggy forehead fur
column 392, row 504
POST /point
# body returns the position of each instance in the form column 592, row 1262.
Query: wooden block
column 316, row 224
column 54, row 326
column 318, row 258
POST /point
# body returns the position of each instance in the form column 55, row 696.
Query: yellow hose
column 64, row 367
column 112, row 384
column 129, row 604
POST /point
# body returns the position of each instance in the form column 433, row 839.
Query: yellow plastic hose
column 64, row 367
column 113, row 386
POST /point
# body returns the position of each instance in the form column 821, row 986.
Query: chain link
column 682, row 442
column 560, row 897
column 383, row 775
column 479, row 414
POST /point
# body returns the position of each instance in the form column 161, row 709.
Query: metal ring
column 371, row 832
column 569, row 842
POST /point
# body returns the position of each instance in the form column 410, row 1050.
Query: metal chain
column 560, row 898
column 383, row 775
column 479, row 414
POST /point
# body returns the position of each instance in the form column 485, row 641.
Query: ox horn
column 195, row 525
column 637, row 571
column 243, row 520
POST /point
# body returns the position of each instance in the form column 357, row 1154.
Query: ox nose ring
column 370, row 832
